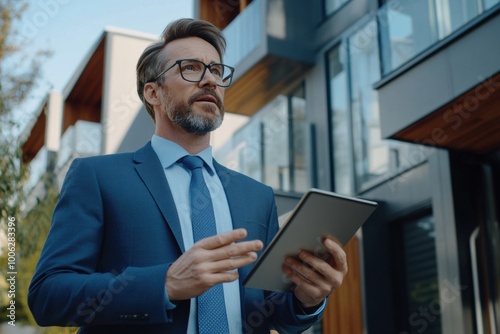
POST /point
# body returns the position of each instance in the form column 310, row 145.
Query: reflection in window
column 410, row 27
column 273, row 146
column 371, row 153
column 451, row 15
column 407, row 28
column 360, row 156
column 487, row 4
column 340, row 119
column 333, row 5
column 285, row 143
column 300, row 143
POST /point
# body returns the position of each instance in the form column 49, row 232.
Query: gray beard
column 195, row 124
column 182, row 115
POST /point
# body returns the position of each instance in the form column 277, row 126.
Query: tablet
column 318, row 214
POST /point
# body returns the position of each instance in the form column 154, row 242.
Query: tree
column 18, row 76
column 17, row 79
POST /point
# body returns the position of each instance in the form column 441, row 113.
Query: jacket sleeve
column 67, row 289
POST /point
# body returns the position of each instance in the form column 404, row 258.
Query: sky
column 69, row 28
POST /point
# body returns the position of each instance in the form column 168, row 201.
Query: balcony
column 269, row 45
column 83, row 139
column 441, row 73
column 34, row 188
column 37, row 168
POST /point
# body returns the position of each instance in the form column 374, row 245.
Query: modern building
column 396, row 101
column 98, row 111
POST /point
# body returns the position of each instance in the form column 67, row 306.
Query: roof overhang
column 469, row 123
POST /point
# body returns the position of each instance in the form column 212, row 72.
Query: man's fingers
column 234, row 263
column 222, row 239
column 338, row 255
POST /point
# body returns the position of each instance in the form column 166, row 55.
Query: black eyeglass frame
column 209, row 66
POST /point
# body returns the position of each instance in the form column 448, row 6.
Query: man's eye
column 189, row 67
column 216, row 71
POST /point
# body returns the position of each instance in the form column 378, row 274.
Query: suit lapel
column 151, row 172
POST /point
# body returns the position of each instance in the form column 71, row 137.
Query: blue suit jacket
column 115, row 231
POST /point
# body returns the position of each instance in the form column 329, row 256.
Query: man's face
column 196, row 107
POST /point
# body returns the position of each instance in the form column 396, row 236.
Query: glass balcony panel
column 80, row 140
column 66, row 148
column 452, row 14
column 241, row 40
column 409, row 27
column 487, row 4
column 37, row 167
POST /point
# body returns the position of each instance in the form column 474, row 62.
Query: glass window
column 361, row 157
column 487, row 4
column 273, row 147
column 275, row 144
column 242, row 152
column 408, row 27
column 452, row 14
column 371, row 153
column 333, row 5
column 340, row 120
column 300, row 142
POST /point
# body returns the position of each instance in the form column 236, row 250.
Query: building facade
column 396, row 101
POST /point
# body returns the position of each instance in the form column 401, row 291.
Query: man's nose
column 208, row 79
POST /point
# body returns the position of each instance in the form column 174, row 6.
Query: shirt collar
column 170, row 152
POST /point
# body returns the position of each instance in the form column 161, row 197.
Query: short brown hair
column 152, row 61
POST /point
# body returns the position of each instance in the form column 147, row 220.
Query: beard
column 181, row 113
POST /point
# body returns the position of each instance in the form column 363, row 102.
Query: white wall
column 121, row 104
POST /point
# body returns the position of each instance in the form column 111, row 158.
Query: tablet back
column 317, row 215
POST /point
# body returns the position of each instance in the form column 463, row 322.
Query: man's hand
column 209, row 262
column 316, row 277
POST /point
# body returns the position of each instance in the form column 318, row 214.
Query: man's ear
column 151, row 93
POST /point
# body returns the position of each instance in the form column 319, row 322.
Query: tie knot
column 192, row 162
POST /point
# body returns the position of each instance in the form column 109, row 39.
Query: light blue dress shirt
column 178, row 179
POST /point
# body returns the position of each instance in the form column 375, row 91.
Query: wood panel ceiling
column 84, row 99
column 36, row 137
column 262, row 83
column 469, row 123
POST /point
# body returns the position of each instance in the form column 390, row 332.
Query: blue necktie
column 212, row 316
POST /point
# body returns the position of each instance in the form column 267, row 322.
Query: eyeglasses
column 193, row 70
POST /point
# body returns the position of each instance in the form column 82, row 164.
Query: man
column 124, row 254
